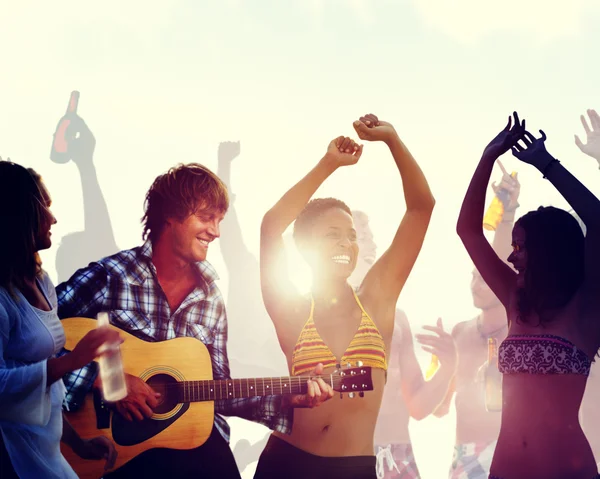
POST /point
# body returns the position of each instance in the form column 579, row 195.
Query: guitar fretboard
column 210, row 390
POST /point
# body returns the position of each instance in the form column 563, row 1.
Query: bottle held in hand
column 495, row 212
column 433, row 367
column 60, row 143
column 493, row 379
column 112, row 375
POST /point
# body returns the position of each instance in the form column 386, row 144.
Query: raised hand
column 441, row 344
column 343, row 151
column 509, row 184
column 228, row 150
column 506, row 139
column 370, row 128
column 534, row 150
column 592, row 147
column 81, row 141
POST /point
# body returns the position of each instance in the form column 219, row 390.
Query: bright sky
column 165, row 82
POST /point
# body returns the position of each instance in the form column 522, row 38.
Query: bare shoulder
column 290, row 321
column 461, row 330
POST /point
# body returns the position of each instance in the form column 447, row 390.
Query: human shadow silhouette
column 252, row 341
column 97, row 240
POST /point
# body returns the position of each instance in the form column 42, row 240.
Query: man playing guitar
column 166, row 289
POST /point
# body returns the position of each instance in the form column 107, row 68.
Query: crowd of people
column 535, row 286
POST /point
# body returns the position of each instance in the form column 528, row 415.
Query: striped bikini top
column 366, row 346
column 541, row 354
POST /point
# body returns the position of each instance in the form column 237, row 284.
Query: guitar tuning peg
column 350, row 395
column 361, row 394
column 359, row 364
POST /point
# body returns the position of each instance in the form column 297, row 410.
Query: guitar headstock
column 353, row 380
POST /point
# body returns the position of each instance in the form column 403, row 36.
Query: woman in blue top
column 31, row 387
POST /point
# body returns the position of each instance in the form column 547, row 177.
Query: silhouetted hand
column 592, row 147
column 370, row 128
column 80, row 141
column 534, row 152
column 99, row 447
column 318, row 392
column 509, row 184
column 506, row 139
column 342, row 151
column 228, row 150
column 441, row 344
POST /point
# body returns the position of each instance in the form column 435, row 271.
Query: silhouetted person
column 252, row 343
column 552, row 305
column 97, row 239
column 406, row 393
column 477, row 428
column 590, row 410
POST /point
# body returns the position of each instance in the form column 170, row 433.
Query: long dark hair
column 555, row 268
column 21, row 215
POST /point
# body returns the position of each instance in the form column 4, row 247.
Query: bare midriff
column 540, row 428
column 340, row 426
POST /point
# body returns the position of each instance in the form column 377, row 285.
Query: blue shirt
column 31, row 410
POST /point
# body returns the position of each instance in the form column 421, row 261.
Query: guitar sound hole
column 170, row 392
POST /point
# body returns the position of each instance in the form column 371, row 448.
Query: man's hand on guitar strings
column 140, row 401
column 318, row 392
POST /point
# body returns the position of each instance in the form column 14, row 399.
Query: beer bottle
column 60, row 144
column 493, row 379
column 495, row 212
column 433, row 366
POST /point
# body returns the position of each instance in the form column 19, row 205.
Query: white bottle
column 114, row 387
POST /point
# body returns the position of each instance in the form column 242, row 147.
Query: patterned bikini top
column 541, row 354
column 366, row 346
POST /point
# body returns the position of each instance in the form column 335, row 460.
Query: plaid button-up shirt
column 126, row 286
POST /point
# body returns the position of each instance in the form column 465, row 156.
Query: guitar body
column 175, row 425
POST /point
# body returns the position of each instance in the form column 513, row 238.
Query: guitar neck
column 211, row 390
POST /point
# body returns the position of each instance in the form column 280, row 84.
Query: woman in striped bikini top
column 336, row 325
column 366, row 348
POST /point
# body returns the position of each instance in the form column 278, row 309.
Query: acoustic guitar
column 180, row 370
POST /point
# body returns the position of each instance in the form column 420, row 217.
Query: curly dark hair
column 21, row 216
column 555, row 268
column 314, row 208
column 180, row 192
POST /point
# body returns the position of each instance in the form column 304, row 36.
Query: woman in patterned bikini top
column 552, row 307
column 541, row 354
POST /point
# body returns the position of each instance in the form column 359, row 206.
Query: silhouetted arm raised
column 495, row 272
column 234, row 250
